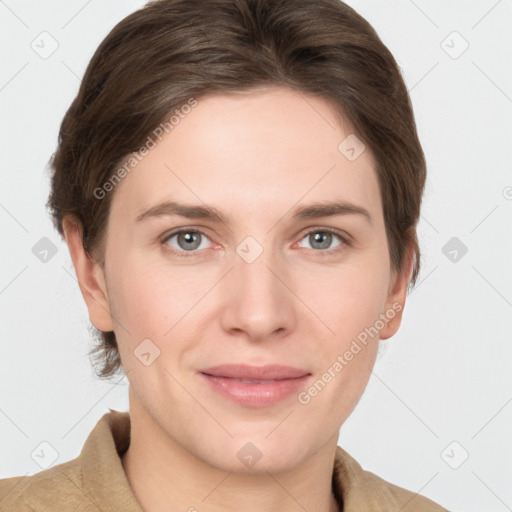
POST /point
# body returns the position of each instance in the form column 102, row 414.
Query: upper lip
column 267, row 372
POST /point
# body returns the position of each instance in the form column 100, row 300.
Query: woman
column 277, row 140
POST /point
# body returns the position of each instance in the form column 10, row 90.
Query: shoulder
column 93, row 481
column 362, row 488
column 48, row 490
column 406, row 500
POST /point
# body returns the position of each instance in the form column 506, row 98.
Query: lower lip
column 256, row 394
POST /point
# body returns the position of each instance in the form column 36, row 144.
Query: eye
column 185, row 240
column 188, row 242
column 322, row 239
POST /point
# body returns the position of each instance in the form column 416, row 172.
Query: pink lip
column 277, row 383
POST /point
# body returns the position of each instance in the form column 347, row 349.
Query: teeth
column 249, row 381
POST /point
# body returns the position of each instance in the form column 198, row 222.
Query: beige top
column 95, row 481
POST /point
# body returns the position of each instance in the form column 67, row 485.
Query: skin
column 253, row 156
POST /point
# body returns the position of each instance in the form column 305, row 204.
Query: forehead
column 260, row 150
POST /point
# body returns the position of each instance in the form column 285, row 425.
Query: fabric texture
column 95, row 481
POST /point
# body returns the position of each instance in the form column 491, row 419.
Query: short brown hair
column 156, row 59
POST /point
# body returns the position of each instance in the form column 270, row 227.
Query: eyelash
column 189, row 254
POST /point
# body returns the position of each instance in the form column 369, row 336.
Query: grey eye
column 187, row 240
column 320, row 239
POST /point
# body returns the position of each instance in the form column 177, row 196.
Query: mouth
column 254, row 386
column 256, row 373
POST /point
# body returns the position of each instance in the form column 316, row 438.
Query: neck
column 165, row 477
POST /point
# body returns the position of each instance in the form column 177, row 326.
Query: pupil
column 190, row 238
column 323, row 239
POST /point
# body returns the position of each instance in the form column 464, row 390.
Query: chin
column 255, row 455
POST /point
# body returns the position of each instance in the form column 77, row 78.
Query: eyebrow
column 311, row 211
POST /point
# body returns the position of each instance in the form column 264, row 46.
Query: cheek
column 351, row 309
column 355, row 299
column 143, row 300
column 152, row 299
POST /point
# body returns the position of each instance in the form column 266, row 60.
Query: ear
column 396, row 296
column 90, row 274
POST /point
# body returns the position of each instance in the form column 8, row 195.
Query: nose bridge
column 258, row 302
column 252, row 265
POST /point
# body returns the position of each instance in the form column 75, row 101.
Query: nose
column 259, row 303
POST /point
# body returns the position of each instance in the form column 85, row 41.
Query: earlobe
column 90, row 275
column 395, row 303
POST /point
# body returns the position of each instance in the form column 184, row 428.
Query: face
column 236, row 275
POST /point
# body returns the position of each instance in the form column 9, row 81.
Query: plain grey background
column 437, row 414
